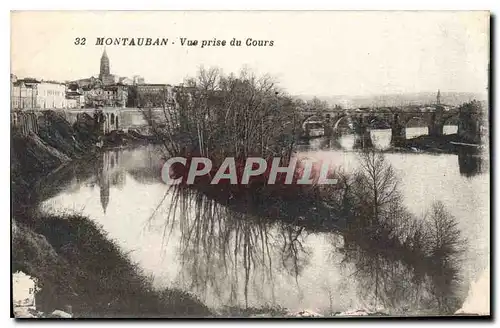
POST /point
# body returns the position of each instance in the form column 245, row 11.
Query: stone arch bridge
column 397, row 119
column 108, row 118
column 115, row 118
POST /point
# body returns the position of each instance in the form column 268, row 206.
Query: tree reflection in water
column 471, row 163
column 223, row 252
column 400, row 263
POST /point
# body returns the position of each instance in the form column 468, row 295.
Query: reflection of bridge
column 398, row 119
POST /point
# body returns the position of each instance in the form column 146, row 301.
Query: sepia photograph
column 250, row 164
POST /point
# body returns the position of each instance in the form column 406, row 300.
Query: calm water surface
column 229, row 258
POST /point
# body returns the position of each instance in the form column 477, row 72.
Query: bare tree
column 318, row 105
column 446, row 247
column 234, row 115
column 376, row 186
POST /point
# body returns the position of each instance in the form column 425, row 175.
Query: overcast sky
column 314, row 53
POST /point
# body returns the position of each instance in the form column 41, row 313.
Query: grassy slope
column 78, row 265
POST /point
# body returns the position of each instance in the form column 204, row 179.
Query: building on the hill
column 31, row 93
column 116, row 95
column 75, row 96
column 125, row 81
column 51, row 95
column 110, row 79
column 108, row 90
column 104, row 73
column 138, row 80
column 23, row 94
column 152, row 95
column 99, row 95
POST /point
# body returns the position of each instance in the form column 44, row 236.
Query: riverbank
column 73, row 260
column 76, row 264
column 34, row 155
column 56, row 144
column 449, row 144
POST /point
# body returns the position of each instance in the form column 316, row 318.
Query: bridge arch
column 313, row 126
column 308, row 118
column 339, row 120
column 450, row 123
column 312, row 119
column 379, row 122
column 415, row 126
column 414, row 119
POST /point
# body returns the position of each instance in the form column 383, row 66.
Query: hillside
column 421, row 98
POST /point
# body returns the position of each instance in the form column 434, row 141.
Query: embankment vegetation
column 77, row 264
column 238, row 116
column 221, row 116
column 74, row 261
column 34, row 155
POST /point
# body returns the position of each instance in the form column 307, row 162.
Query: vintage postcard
column 244, row 164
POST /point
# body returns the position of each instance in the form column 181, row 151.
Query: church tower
column 438, row 98
column 104, row 181
column 104, row 71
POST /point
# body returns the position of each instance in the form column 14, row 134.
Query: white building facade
column 51, row 95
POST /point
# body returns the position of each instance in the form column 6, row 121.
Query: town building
column 108, row 90
column 75, row 96
column 31, row 93
column 51, row 95
column 100, row 95
column 110, row 79
column 116, row 95
column 125, row 81
column 138, row 79
column 104, row 73
column 23, row 94
column 154, row 95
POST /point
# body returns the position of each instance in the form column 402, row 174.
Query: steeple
column 438, row 98
column 104, row 181
column 104, row 195
column 104, row 71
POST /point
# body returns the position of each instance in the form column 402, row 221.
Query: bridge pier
column 25, row 122
column 100, row 120
column 471, row 121
column 435, row 125
column 328, row 126
column 107, row 120
column 335, row 131
column 398, row 132
column 364, row 140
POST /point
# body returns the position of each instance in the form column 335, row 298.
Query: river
column 228, row 258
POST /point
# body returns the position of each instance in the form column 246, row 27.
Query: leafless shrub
column 227, row 115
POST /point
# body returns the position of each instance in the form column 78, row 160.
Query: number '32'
column 80, row 41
